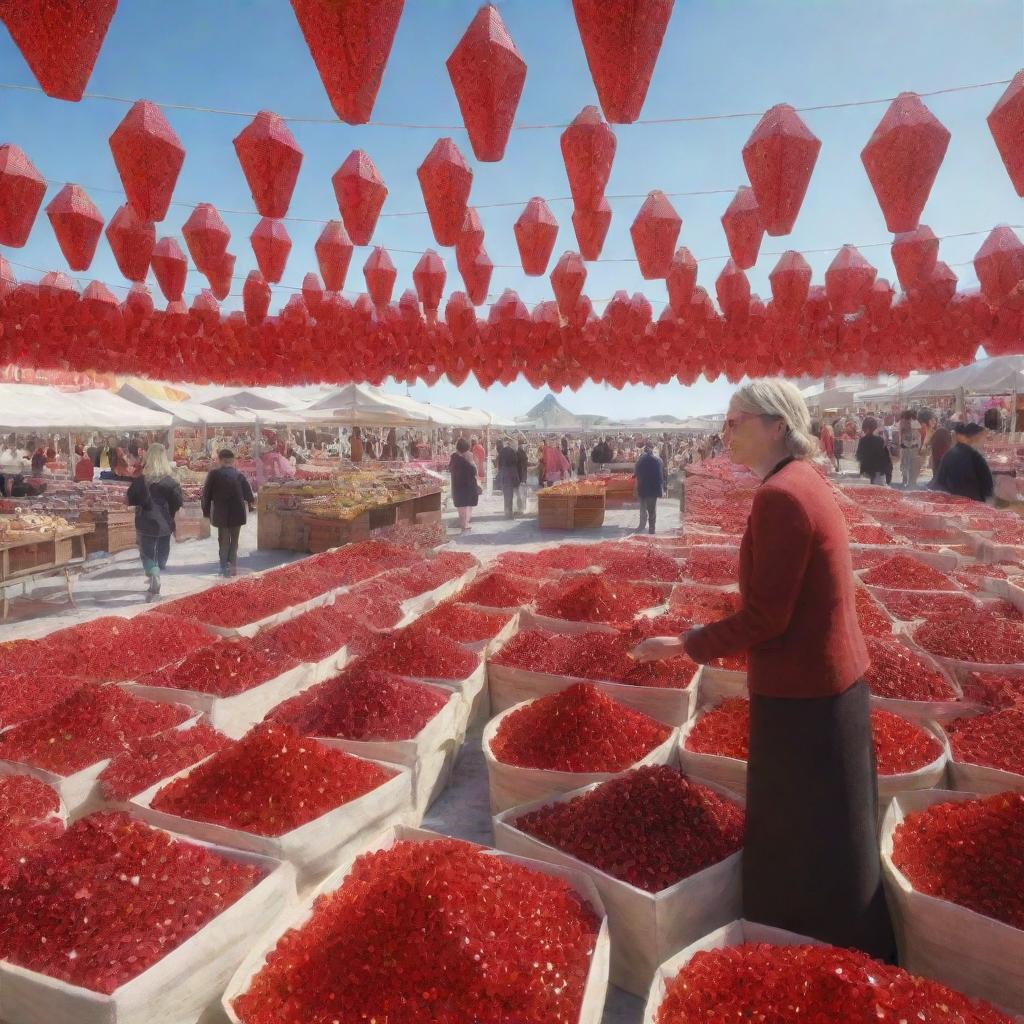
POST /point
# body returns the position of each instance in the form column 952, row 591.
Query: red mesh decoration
column 790, row 280
column 138, row 303
column 779, row 157
column 132, row 241
column 255, row 298
column 743, row 228
column 220, row 278
column 622, row 39
column 429, row 277
column 733, row 290
column 22, row 188
column 536, row 231
column 902, row 158
column 1006, row 122
column 567, row 280
column 170, row 268
column 655, row 233
column 360, row 192
column 148, row 155
column 270, row 159
column 848, row 280
column 591, row 227
column 98, row 300
column 380, row 274
column 350, row 43
column 334, row 254
column 446, row 180
column 476, row 269
column 999, row 264
column 207, row 237
column 487, row 75
column 59, row 39
column 588, row 149
column 914, row 254
column 312, row 293
column 77, row 224
column 471, row 237
column 206, row 309
column 681, row 280
column 271, row 244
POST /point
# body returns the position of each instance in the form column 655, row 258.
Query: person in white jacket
column 910, row 448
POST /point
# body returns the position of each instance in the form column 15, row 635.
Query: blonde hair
column 775, row 397
column 157, row 464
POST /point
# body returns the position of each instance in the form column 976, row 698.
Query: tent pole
column 71, row 456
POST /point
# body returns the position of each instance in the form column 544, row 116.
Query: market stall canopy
column 366, row 406
column 189, row 413
column 1000, row 375
column 28, row 407
column 893, row 389
column 483, row 418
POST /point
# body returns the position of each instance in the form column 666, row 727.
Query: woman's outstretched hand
column 657, row 648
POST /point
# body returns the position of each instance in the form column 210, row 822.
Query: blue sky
column 719, row 56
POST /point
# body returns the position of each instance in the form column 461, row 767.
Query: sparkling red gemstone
column 28, row 817
column 994, row 690
column 873, row 621
column 461, row 623
column 901, row 572
column 994, row 740
column 425, row 655
column 981, row 637
column 897, row 672
column 500, row 590
column 591, row 597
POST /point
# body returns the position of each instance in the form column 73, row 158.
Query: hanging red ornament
column 131, row 240
column 77, row 224
column 471, row 237
column 779, row 157
column 743, row 228
column 380, row 274
column 733, row 290
column 940, row 287
column 271, row 244
column 148, row 156
column 487, row 75
column 138, row 303
column 56, row 287
column 999, row 264
column 536, row 231
column 270, row 159
column 914, row 254
column 588, row 149
column 170, row 268
column 591, row 227
column 429, row 277
column 350, row 42
column 681, row 280
column 59, row 39
column 790, row 281
column 255, row 298
column 655, row 232
column 1006, row 122
column 207, row 237
column 879, row 302
column 313, row 293
column 445, row 179
column 8, row 282
column 206, row 309
column 902, row 159
column 22, row 188
column 221, row 277
column 622, row 40
column 334, row 254
column 567, row 281
column 848, row 280
column 476, row 269
column 360, row 192
column 99, row 301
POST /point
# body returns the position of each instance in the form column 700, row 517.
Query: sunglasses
column 732, row 422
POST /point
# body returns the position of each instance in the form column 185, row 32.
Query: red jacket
column 798, row 620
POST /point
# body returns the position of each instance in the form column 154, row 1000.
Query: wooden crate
column 588, row 511
column 25, row 557
column 555, row 511
column 114, row 530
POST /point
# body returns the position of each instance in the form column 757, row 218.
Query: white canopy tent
column 193, row 414
column 1000, row 375
column 365, row 406
column 894, row 389
column 32, row 407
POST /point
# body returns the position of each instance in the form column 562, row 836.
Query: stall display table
column 27, row 559
column 114, row 530
column 569, row 506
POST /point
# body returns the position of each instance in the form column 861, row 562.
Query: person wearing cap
column 650, row 477
column 226, row 496
column 963, row 469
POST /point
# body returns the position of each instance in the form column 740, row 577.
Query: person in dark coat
column 226, row 495
column 941, row 441
column 873, row 454
column 156, row 497
column 465, row 491
column 523, row 466
column 508, row 474
column 650, row 477
column 963, row 469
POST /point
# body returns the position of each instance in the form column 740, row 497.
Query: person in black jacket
column 157, row 497
column 226, row 495
column 508, row 474
column 465, row 492
column 872, row 454
column 963, row 469
column 649, row 485
column 523, row 465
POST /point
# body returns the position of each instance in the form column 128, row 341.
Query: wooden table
column 32, row 557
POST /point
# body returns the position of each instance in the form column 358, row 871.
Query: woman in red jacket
column 810, row 856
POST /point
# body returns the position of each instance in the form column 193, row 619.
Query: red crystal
column 908, row 604
column 591, row 597
column 588, row 149
column 445, row 179
column 500, row 590
column 713, row 568
column 591, row 227
column 994, row 691
column 271, row 245
column 132, row 242
column 461, row 623
column 28, row 817
column 1006, row 122
column 425, row 655
column 901, row 572
column 898, row 673
column 24, row 694
column 743, row 228
column 170, row 266
column 995, row 740
column 360, row 192
column 77, row 223
column 207, row 237
column 536, row 231
column 655, row 232
column 864, row 533
column 981, row 637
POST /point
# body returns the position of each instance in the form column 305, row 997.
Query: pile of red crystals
column 364, row 705
column 1008, row 532
column 995, row 740
column 967, row 853
column 779, row 984
column 982, row 638
column 971, row 577
column 929, row 535
column 461, row 623
column 723, row 730
column 537, row 650
column 873, row 621
column 901, row 572
column 897, row 672
column 354, row 562
column 865, row 533
column 431, row 932
column 650, row 827
column 269, row 782
column 627, row 562
column 231, row 605
column 867, row 558
column 311, row 636
column 376, row 602
column 702, row 606
column 224, row 669
column 521, row 563
column 33, row 692
column 675, row 624
column 579, row 729
column 994, row 690
column 715, row 568
column 591, row 597
column 29, row 815
column 908, row 605
column 91, row 725
column 425, row 655
column 431, row 573
column 152, row 758
column 500, row 590
column 109, row 898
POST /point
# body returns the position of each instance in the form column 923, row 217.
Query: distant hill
column 550, row 413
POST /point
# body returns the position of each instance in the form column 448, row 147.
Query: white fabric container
column 978, row 778
column 922, row 711
column 476, row 704
column 595, row 989
column 529, row 619
column 250, row 629
column 484, row 647
column 414, row 607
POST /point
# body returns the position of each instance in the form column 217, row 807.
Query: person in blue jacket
column 649, row 486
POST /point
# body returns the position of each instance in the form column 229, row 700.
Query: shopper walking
column 523, row 467
column 872, row 454
column 83, row 466
column 226, row 496
column 810, row 852
column 465, row 491
column 508, row 474
column 910, row 448
column 963, row 469
column 650, row 481
column 941, row 441
column 156, row 497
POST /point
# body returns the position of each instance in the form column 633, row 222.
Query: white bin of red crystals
column 986, row 751
column 986, row 641
column 418, row 932
column 31, row 813
column 499, row 591
column 477, row 630
column 910, row 569
column 955, row 880
column 150, row 937
column 282, row 795
column 909, row 682
column 663, row 851
column 433, row 579
column 592, row 600
column 565, row 741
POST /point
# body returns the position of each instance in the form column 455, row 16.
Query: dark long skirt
column 810, row 857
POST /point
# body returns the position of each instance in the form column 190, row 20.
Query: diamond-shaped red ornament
column 588, row 149
column 380, row 274
column 733, row 290
column 1006, row 122
column 255, row 298
column 138, row 303
column 790, row 281
column 903, row 157
column 848, row 280
column 476, row 269
column 170, row 267
column 131, row 240
column 148, row 156
column 429, row 277
column 360, row 192
column 914, row 254
column 77, row 224
column 622, row 40
column 22, row 188
column 350, row 41
column 536, row 231
column 591, row 227
column 270, row 159
column 271, row 244
column 681, row 280
column 743, row 227
column 207, row 237
column 59, row 39
column 313, row 293
column 471, row 236
column 446, row 180
column 98, row 300
column 487, row 75
column 999, row 264
column 220, row 278
column 206, row 309
column 655, row 232
column 567, row 281
column 334, row 254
